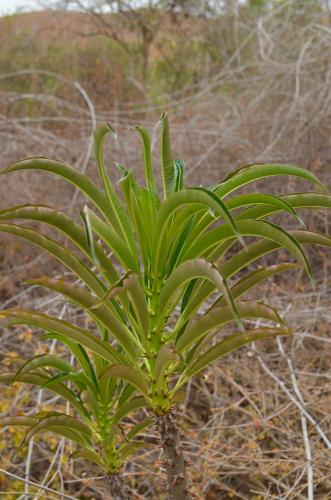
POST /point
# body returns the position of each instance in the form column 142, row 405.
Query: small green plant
column 147, row 263
column 101, row 403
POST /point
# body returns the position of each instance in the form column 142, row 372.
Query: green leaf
column 259, row 228
column 166, row 158
column 241, row 259
column 39, row 380
column 122, row 221
column 89, row 235
column 254, row 278
column 262, row 247
column 296, row 200
column 262, row 199
column 80, row 181
column 132, row 447
column 147, row 155
column 223, row 210
column 90, row 455
column 139, row 304
column 43, row 360
column 201, row 199
column 187, row 271
column 88, row 398
column 145, row 209
column 133, row 376
column 78, row 352
column 58, row 421
column 71, row 434
column 116, row 291
column 147, row 422
column 142, row 211
column 266, row 200
column 68, row 227
column 101, row 313
column 128, row 407
column 188, row 292
column 114, row 242
column 70, row 260
column 126, row 394
column 144, row 230
column 23, row 421
column 128, row 185
column 68, row 330
column 179, row 245
column 254, row 172
column 79, row 379
column 231, row 343
column 165, row 357
column 219, row 316
column 179, row 174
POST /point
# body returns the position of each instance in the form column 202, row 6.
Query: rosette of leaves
column 97, row 424
column 148, row 261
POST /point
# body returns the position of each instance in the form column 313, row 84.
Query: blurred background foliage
column 153, row 50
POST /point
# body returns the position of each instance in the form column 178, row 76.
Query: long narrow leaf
column 147, row 155
column 220, row 316
column 70, row 260
column 189, row 270
column 51, row 324
column 83, row 298
column 59, row 421
column 259, row 228
column 122, row 220
column 90, row 455
column 128, row 407
column 135, row 377
column 296, row 200
column 241, row 259
column 254, row 172
column 80, row 181
column 232, row 343
column 23, row 421
column 253, row 279
column 262, row 247
column 115, row 243
column 262, row 199
column 136, row 293
column 200, row 198
column 39, row 380
column 64, row 224
column 165, row 357
column 43, row 360
column 166, row 159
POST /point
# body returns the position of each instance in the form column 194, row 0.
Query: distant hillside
column 115, row 55
column 73, row 24
column 46, row 24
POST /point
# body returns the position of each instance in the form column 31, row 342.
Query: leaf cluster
column 147, row 263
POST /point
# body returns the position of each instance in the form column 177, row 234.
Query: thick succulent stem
column 117, row 488
column 174, row 457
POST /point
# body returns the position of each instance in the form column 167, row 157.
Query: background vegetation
column 242, row 82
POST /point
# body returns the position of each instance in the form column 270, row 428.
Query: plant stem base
column 117, row 488
column 174, row 458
